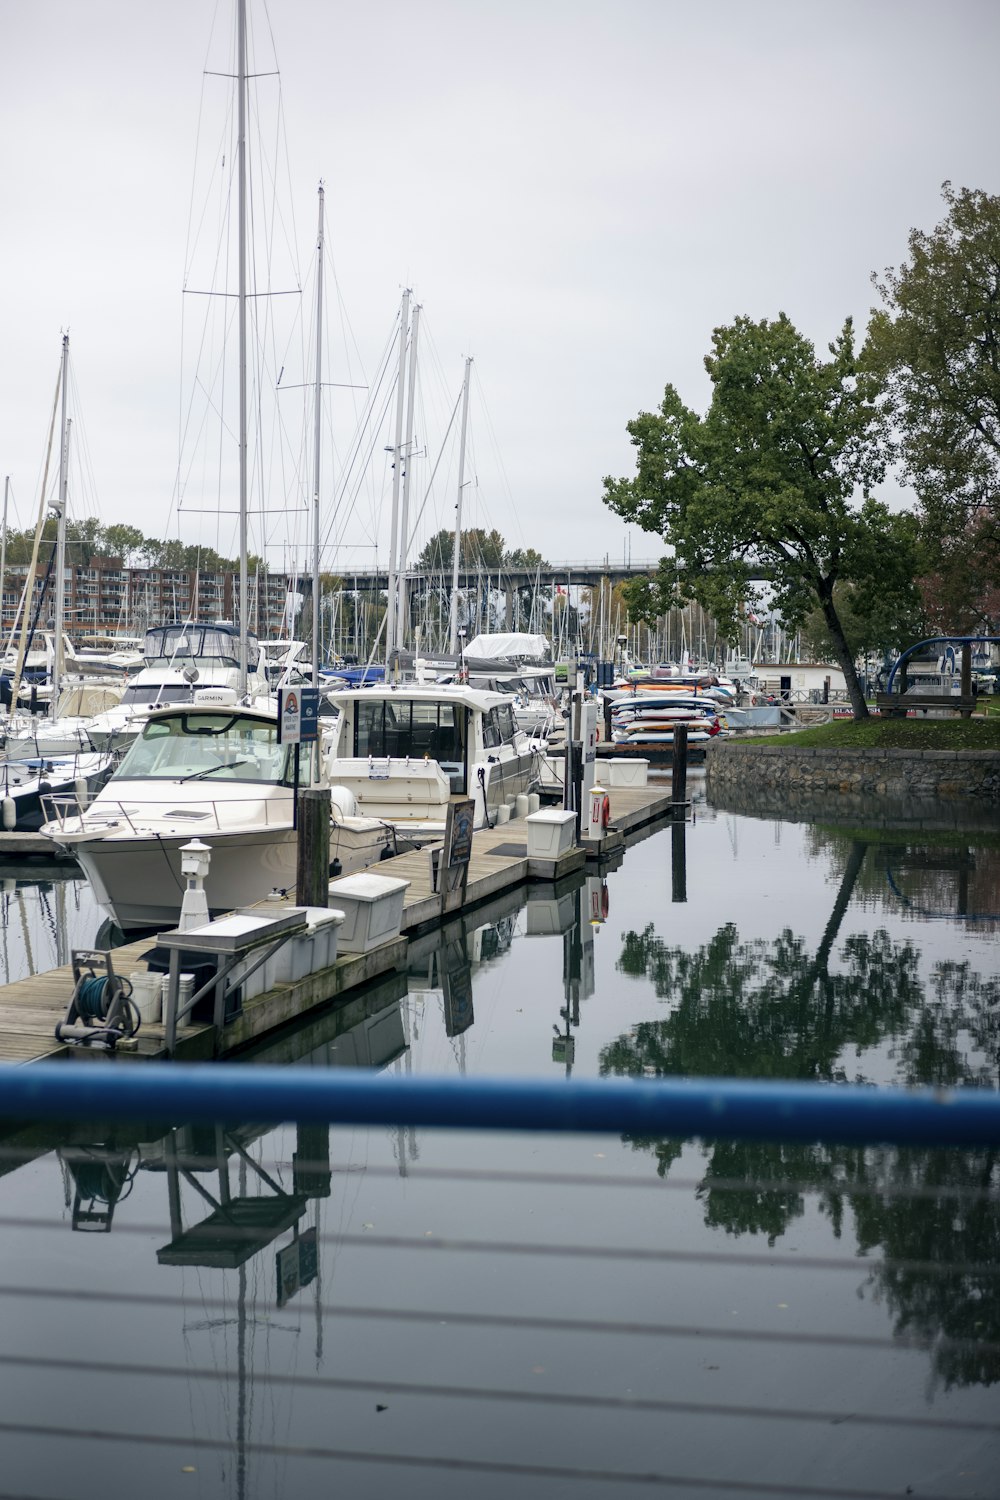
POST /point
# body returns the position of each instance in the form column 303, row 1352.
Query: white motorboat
column 215, row 774
column 183, row 663
column 405, row 751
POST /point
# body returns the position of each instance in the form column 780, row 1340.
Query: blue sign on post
column 309, row 722
column 298, row 715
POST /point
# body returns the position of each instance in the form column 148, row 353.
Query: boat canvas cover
column 515, row 646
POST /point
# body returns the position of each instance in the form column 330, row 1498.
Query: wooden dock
column 30, row 1008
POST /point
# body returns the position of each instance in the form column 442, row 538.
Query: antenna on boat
column 455, row 562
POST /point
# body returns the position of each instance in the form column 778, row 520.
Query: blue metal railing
column 687, row 1107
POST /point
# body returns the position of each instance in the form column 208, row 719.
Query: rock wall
column 922, row 775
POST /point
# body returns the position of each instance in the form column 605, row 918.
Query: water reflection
column 937, row 876
column 838, row 1012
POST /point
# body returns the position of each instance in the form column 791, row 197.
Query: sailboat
column 212, row 769
column 30, row 771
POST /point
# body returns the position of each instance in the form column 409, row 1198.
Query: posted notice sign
column 298, row 715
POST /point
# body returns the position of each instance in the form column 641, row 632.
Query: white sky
column 577, row 192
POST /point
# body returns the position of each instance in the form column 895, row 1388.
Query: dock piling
column 312, row 879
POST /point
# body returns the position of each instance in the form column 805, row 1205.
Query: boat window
column 213, row 747
column 505, row 715
column 401, row 727
column 151, row 692
column 181, row 643
column 491, row 730
column 369, row 738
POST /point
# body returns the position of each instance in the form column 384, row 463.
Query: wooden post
column 965, row 686
column 312, row 873
column 679, row 765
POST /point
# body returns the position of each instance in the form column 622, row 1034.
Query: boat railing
column 70, row 817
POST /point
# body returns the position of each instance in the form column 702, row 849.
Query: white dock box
column 373, row 910
column 550, row 832
column 324, row 927
column 622, row 772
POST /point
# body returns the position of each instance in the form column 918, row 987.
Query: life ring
column 605, row 811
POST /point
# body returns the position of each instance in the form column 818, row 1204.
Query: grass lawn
column 894, row 734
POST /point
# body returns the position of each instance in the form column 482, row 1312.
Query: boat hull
column 138, row 880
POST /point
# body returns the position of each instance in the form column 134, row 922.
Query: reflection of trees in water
column 762, row 1009
column 953, row 1222
column 775, row 1010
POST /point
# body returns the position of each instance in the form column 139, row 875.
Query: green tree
column 936, row 342
column 122, row 540
column 872, row 624
column 775, row 479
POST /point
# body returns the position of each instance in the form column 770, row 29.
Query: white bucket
column 146, row 995
column 185, row 990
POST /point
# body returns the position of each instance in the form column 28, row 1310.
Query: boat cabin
column 407, row 749
column 197, row 645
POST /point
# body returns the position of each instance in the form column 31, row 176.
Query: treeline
column 88, row 539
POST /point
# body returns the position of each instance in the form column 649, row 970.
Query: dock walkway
column 30, row 1008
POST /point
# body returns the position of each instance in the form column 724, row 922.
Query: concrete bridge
column 586, row 574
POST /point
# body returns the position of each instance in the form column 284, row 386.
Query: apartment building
column 104, row 598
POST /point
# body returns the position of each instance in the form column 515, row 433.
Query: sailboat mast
column 397, row 465
column 317, row 442
column 3, row 542
column 241, row 151
column 456, row 559
column 59, row 612
column 404, row 514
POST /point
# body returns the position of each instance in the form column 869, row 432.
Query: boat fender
column 82, row 793
column 9, row 817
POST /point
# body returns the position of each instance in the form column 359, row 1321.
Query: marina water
column 431, row 1311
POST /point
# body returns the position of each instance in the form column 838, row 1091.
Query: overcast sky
column 577, row 192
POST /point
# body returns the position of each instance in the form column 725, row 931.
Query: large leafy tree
column 936, row 342
column 774, row 482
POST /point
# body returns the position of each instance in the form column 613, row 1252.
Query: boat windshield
column 212, row 747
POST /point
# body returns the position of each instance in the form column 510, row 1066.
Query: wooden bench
column 897, row 705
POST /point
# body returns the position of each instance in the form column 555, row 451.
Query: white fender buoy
column 82, row 792
column 9, row 814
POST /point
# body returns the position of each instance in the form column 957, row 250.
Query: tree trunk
column 845, row 661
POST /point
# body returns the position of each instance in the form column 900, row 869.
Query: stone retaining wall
column 900, row 774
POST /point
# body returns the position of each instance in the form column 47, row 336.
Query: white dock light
column 196, row 858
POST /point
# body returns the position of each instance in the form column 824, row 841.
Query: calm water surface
column 260, row 1312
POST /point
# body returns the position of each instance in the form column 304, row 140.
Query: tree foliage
column 936, row 343
column 872, row 625
column 776, row 479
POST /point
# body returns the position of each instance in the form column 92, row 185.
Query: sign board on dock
column 298, row 715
